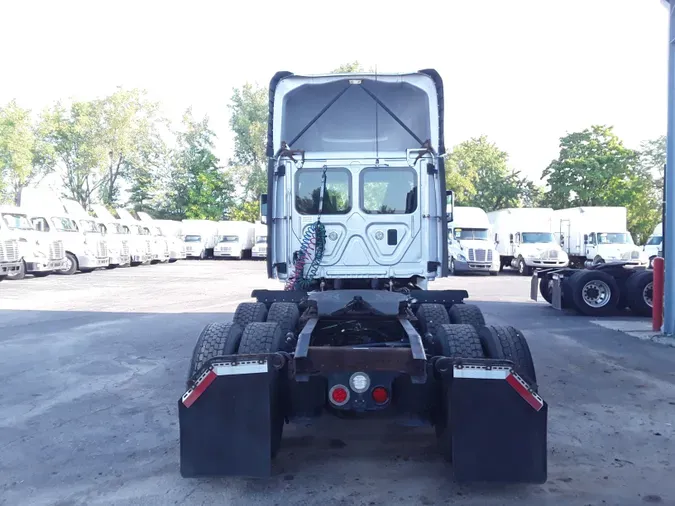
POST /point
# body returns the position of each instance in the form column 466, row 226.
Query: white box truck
column 593, row 235
column 10, row 260
column 41, row 252
column 201, row 237
column 260, row 247
column 524, row 239
column 236, row 239
column 653, row 246
column 470, row 247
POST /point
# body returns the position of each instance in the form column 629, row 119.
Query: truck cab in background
column 160, row 242
column 524, row 239
column 19, row 244
column 259, row 249
column 470, row 247
column 201, row 237
column 117, row 238
column 236, row 239
column 172, row 230
column 653, row 246
column 10, row 260
column 140, row 242
column 595, row 235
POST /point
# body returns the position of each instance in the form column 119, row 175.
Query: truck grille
column 148, row 246
column 480, row 255
column 125, row 248
column 101, row 249
column 56, row 251
column 9, row 251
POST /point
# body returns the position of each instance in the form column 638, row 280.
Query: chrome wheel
column 596, row 293
column 648, row 294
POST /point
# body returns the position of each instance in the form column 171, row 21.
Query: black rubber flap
column 496, row 435
column 227, row 431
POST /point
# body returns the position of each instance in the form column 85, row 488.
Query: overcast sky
column 523, row 72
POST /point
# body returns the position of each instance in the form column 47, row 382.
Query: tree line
column 120, row 151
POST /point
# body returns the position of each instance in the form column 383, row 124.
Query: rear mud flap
column 226, row 421
column 498, row 426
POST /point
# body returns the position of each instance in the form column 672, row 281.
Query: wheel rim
column 648, row 294
column 69, row 263
column 521, row 267
column 596, row 293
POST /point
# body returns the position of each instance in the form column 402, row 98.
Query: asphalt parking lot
column 93, row 366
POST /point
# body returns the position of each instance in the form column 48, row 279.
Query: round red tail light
column 380, row 395
column 339, row 395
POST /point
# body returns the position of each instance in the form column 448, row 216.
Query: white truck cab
column 201, row 237
column 524, row 239
column 10, row 260
column 41, row 251
column 171, row 229
column 117, row 238
column 654, row 245
column 236, row 239
column 593, row 235
column 259, row 249
column 470, row 247
column 160, row 242
column 141, row 242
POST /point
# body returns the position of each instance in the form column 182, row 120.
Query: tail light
column 339, row 395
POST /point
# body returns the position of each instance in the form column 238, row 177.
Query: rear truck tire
column 42, row 274
column 639, row 292
column 455, row 341
column 593, row 292
column 18, row 274
column 286, row 314
column 71, row 265
column 250, row 312
column 467, row 314
column 508, row 343
column 217, row 339
column 430, row 316
column 267, row 337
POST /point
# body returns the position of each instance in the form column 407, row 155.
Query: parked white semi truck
column 10, row 260
column 236, row 239
column 524, row 239
column 119, row 249
column 160, row 242
column 593, row 235
column 201, row 237
column 260, row 247
column 470, row 247
column 41, row 254
column 142, row 243
column 172, row 230
column 654, row 245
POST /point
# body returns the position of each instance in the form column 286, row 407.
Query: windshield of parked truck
column 537, row 237
column 193, row 238
column 261, row 238
column 465, row 234
column 63, row 225
column 88, row 226
column 655, row 240
column 115, row 228
column 614, row 238
column 228, row 238
column 17, row 221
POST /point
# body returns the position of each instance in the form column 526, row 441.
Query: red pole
column 657, row 294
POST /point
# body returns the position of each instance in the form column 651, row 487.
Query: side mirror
column 449, row 204
column 585, row 238
column 511, row 238
column 263, row 208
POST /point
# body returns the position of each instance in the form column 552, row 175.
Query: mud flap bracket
column 225, row 418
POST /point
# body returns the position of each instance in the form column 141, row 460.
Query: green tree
column 594, row 168
column 24, row 157
column 478, row 172
column 652, row 155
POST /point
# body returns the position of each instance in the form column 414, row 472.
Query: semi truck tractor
column 41, row 252
column 470, row 247
column 172, row 230
column 10, row 260
column 259, row 249
column 593, row 235
column 357, row 229
column 161, row 251
column 119, row 249
column 141, row 240
column 524, row 239
column 201, row 237
column 653, row 246
column 236, row 239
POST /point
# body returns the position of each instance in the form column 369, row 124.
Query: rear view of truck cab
column 357, row 221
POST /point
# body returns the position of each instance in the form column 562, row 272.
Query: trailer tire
column 508, row 343
column 584, row 287
column 430, row 316
column 267, row 337
column 639, row 292
column 466, row 313
column 286, row 314
column 250, row 312
column 217, row 339
column 455, row 341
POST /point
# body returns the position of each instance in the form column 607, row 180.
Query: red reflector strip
column 524, row 391
column 193, row 394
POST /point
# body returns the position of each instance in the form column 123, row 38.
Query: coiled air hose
column 312, row 247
